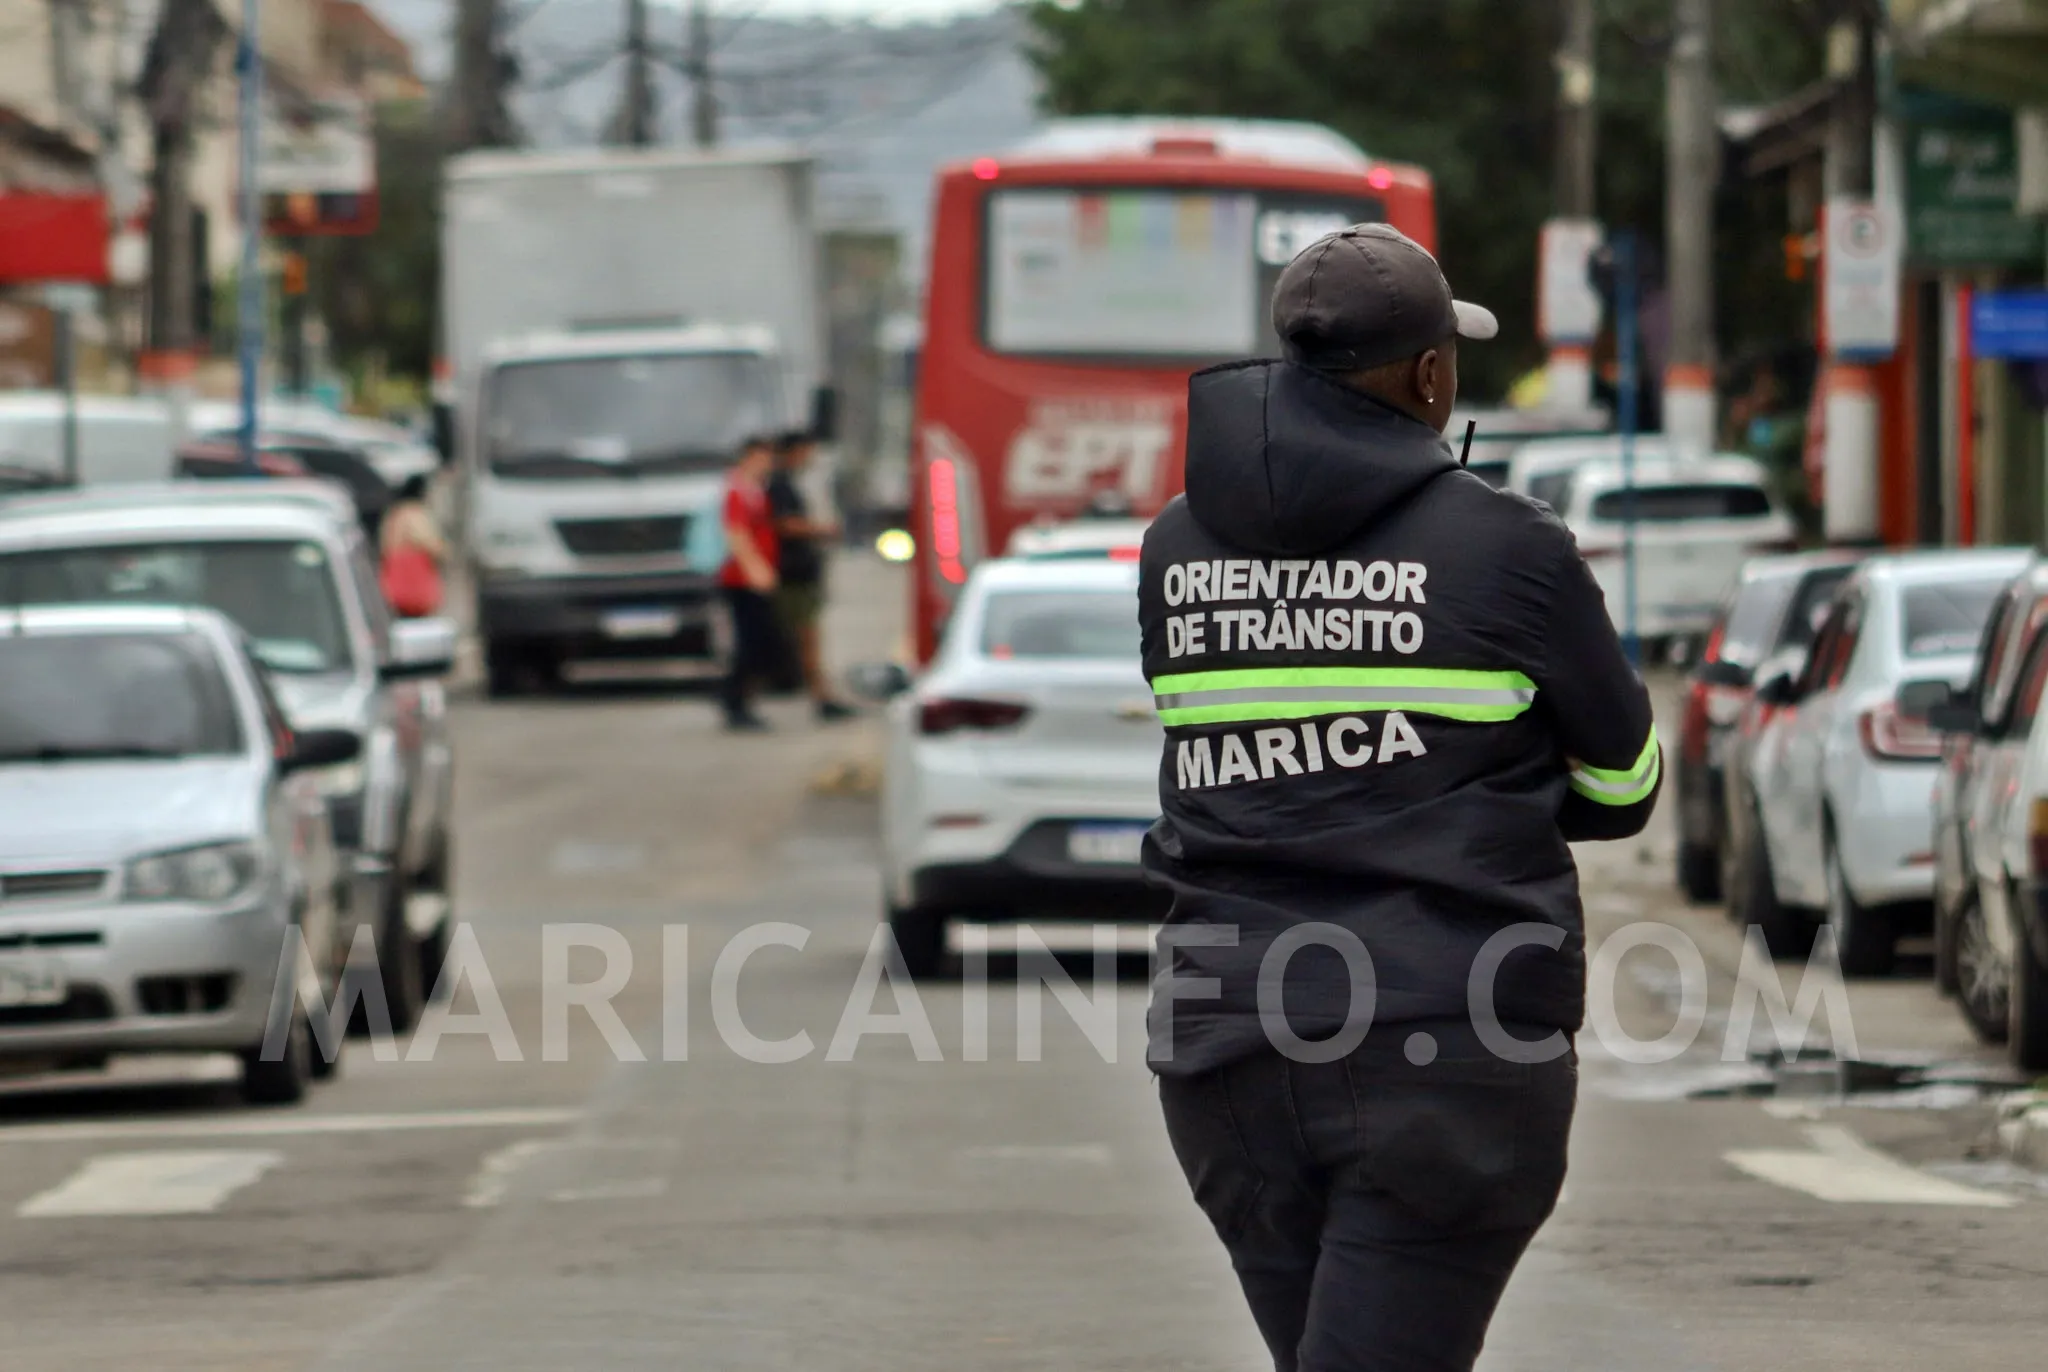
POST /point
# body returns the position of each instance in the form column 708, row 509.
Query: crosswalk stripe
column 155, row 1183
column 1844, row 1169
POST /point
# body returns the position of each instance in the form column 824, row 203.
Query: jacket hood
column 1282, row 459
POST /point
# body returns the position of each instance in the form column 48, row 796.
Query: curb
column 2023, row 1128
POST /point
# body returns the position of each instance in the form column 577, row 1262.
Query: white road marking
column 575, row 857
column 1125, row 939
column 494, row 1174
column 1843, row 1168
column 160, row 1183
column 277, row 1126
column 641, row 1188
column 1089, row 1154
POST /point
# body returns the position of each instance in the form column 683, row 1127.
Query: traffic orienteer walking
column 1391, row 695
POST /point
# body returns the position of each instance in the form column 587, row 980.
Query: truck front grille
column 635, row 537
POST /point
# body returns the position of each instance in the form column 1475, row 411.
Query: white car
column 162, row 832
column 1023, row 768
column 1115, row 538
column 1542, row 467
column 1696, row 523
column 396, row 454
column 1842, row 777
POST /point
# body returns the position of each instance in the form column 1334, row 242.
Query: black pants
column 757, row 649
column 1374, row 1209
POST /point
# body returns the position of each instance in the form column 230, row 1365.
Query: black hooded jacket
column 1392, row 695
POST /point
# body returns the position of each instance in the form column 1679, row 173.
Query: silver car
column 161, row 835
column 287, row 562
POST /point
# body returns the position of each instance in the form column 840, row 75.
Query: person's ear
column 1429, row 376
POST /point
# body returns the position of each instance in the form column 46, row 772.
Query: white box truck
column 618, row 321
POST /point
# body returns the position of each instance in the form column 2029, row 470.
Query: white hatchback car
column 1696, row 523
column 161, row 836
column 1023, row 768
column 1841, row 776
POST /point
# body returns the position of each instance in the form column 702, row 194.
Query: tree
column 1463, row 88
column 379, row 292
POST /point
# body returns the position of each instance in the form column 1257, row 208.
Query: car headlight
column 210, row 873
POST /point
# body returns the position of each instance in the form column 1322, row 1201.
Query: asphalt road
column 465, row 1208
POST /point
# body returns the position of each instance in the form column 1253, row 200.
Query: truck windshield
column 625, row 416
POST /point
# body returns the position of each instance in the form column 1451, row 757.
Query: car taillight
column 950, row 714
column 2037, row 835
column 1891, row 736
column 1693, row 733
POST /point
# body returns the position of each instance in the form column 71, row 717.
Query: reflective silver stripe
column 1346, row 695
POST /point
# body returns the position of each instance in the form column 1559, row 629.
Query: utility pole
column 249, row 315
column 479, row 115
column 179, row 64
column 697, row 62
column 1849, row 415
column 1692, row 168
column 1574, row 232
column 633, row 125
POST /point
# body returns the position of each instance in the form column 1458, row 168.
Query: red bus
column 1075, row 283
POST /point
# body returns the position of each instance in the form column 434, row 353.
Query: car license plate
column 637, row 623
column 32, row 983
column 1109, row 844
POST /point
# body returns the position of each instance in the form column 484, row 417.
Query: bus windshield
column 1146, row 275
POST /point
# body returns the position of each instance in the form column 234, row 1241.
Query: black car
column 1772, row 608
column 218, row 455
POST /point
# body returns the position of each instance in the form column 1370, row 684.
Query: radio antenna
column 1466, row 451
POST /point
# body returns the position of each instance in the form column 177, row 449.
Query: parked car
column 119, row 438
column 1542, row 468
column 285, row 562
column 1991, row 829
column 1696, row 523
column 1840, row 778
column 395, row 452
column 1501, row 433
column 286, row 456
column 1022, row 771
column 1773, row 607
column 161, row 833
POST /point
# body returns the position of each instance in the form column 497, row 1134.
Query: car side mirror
column 1777, row 689
column 878, row 681
column 322, row 748
column 420, row 647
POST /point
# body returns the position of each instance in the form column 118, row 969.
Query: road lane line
column 493, row 1176
column 159, row 1183
column 279, row 1126
column 1842, row 1168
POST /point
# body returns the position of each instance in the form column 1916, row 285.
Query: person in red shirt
column 747, row 580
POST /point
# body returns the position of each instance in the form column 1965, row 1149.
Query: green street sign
column 1962, row 178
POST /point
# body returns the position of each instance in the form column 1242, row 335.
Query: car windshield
column 72, row 697
column 1938, row 621
column 282, row 593
column 624, row 416
column 1809, row 607
column 1677, row 503
column 1060, row 624
column 1756, row 608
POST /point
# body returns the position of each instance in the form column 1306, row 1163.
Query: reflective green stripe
column 1625, row 786
column 1232, row 697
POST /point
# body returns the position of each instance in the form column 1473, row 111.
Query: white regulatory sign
column 1861, row 272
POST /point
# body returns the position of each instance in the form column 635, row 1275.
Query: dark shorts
column 799, row 604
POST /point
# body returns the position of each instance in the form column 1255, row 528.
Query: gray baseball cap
column 1369, row 295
